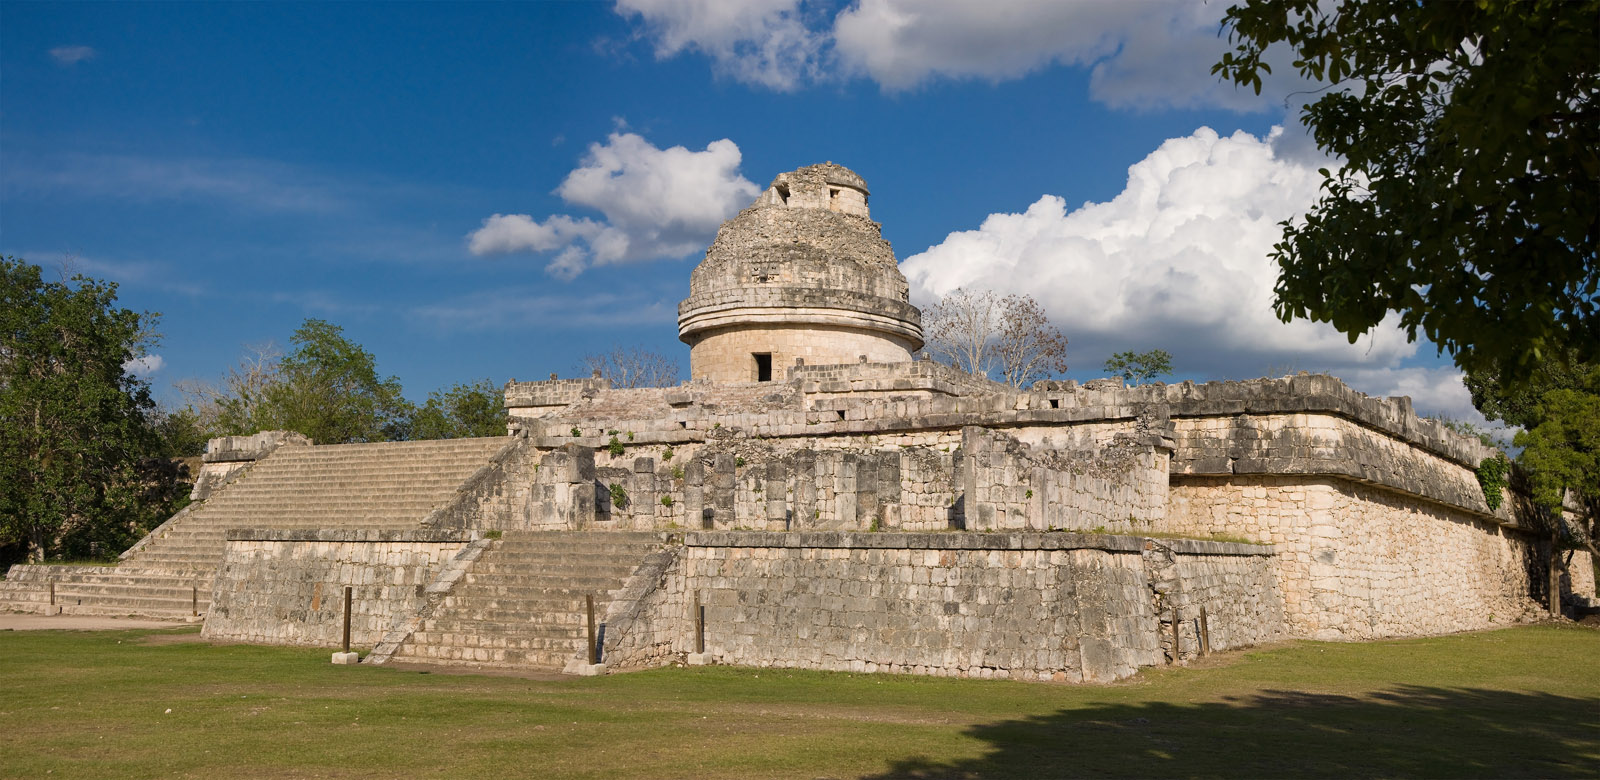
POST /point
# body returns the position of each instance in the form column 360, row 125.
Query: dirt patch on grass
column 19, row 621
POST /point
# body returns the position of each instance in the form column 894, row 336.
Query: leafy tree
column 981, row 333
column 1467, row 201
column 327, row 388
column 331, row 391
column 466, row 410
column 1137, row 367
column 80, row 457
column 182, row 432
column 1558, row 408
column 633, row 367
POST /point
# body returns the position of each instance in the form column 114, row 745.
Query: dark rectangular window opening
column 841, row 413
column 1055, row 403
column 763, row 366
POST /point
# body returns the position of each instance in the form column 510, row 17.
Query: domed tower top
column 802, row 274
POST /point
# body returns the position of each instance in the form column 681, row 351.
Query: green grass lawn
column 1522, row 702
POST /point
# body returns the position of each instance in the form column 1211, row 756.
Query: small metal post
column 1205, row 633
column 699, row 624
column 347, row 590
column 194, row 601
column 594, row 651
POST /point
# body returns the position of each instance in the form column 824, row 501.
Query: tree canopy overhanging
column 1469, row 198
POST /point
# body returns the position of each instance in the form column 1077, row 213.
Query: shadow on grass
column 1405, row 732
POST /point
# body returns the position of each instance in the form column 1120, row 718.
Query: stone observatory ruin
column 814, row 497
column 801, row 276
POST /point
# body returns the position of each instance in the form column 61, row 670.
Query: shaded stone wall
column 1029, row 606
column 287, row 587
column 1359, row 562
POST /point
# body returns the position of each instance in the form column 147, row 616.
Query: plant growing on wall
column 1492, row 477
column 615, row 447
column 619, row 495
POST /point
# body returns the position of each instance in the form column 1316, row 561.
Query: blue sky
column 241, row 167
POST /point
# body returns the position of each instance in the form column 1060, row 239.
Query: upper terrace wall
column 1312, row 425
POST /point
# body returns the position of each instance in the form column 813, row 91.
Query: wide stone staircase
column 384, row 486
column 523, row 603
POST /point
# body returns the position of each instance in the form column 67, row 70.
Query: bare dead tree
column 981, row 333
column 1028, row 347
column 960, row 328
column 235, row 403
column 633, row 367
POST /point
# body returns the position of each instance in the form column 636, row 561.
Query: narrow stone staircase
column 383, row 486
column 523, row 603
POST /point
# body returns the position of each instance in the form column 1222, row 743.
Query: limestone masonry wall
column 1032, row 606
column 1011, row 486
column 728, row 355
column 1359, row 562
column 287, row 587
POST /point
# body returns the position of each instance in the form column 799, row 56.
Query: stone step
column 531, row 605
column 117, row 589
column 562, row 615
column 120, row 579
column 479, row 656
column 536, row 583
column 129, row 604
column 576, row 562
column 599, row 588
column 523, row 602
column 519, row 548
column 315, row 486
column 118, row 610
column 562, row 646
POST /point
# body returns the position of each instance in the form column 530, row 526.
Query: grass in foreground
column 1522, row 702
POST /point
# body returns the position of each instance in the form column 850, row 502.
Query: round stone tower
column 802, row 274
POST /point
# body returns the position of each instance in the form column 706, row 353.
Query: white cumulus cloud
column 656, row 203
column 765, row 42
column 1148, row 54
column 1177, row 261
column 72, row 55
column 145, row 365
